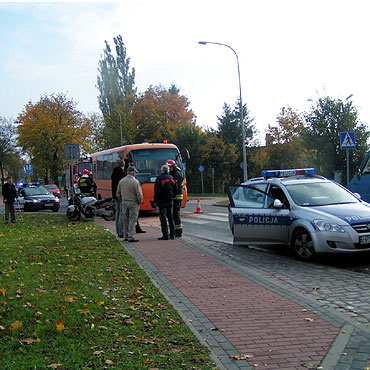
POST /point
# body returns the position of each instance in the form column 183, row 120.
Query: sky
column 290, row 52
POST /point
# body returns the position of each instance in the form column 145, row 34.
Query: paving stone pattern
column 271, row 310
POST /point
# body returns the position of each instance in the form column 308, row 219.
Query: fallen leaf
column 16, row 325
column 55, row 366
column 310, row 319
column 97, row 353
column 241, row 357
column 2, row 291
column 60, row 325
column 30, row 340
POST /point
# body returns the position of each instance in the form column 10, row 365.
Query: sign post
column 347, row 142
column 28, row 169
column 201, row 170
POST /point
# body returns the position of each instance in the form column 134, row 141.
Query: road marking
column 199, row 218
column 220, row 214
column 195, row 221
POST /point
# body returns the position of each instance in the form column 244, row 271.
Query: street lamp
column 245, row 173
column 120, row 122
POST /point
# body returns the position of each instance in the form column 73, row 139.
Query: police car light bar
column 287, row 173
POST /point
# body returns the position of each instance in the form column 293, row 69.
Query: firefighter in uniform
column 86, row 184
column 177, row 200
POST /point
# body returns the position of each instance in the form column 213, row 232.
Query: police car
column 35, row 198
column 298, row 208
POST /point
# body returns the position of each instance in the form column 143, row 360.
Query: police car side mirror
column 357, row 195
column 278, row 204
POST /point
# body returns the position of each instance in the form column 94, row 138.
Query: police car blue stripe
column 265, row 220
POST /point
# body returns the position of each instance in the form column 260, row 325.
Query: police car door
column 253, row 217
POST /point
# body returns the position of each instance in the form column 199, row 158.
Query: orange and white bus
column 146, row 157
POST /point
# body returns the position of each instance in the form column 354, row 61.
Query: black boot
column 139, row 230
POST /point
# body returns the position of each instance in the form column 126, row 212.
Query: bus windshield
column 149, row 162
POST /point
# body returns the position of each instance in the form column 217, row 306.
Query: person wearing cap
column 178, row 197
column 86, row 184
column 130, row 194
column 9, row 197
column 164, row 191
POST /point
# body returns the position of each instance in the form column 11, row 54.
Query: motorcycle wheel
column 73, row 215
column 109, row 217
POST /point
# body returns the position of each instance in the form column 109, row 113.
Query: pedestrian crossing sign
column 347, row 140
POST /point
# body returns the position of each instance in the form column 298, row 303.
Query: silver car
column 295, row 207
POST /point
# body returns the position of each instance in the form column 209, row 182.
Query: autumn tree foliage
column 158, row 112
column 45, row 127
column 285, row 146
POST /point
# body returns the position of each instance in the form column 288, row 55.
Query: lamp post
column 245, row 173
column 120, row 122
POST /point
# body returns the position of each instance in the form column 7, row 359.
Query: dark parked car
column 35, row 198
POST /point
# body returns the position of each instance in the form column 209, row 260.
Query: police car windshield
column 319, row 194
column 36, row 191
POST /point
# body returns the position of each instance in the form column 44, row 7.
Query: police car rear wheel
column 303, row 245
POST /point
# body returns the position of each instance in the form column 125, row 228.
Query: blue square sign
column 28, row 168
column 347, row 140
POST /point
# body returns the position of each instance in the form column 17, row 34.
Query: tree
column 230, row 131
column 158, row 112
column 223, row 158
column 189, row 137
column 95, row 140
column 117, row 92
column 9, row 156
column 285, row 147
column 323, row 125
column 45, row 127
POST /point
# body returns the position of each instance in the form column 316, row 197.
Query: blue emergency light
column 286, row 173
column 20, row 184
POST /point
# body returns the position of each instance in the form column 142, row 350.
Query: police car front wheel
column 302, row 244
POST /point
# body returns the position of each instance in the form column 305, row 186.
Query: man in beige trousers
column 130, row 194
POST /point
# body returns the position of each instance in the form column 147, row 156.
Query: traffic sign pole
column 347, row 160
column 347, row 142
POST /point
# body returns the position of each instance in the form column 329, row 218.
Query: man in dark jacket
column 87, row 184
column 177, row 199
column 164, row 191
column 118, row 174
column 9, row 197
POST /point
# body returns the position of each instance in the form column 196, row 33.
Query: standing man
column 130, row 193
column 9, row 197
column 177, row 200
column 164, row 191
column 117, row 175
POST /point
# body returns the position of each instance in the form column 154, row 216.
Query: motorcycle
column 90, row 207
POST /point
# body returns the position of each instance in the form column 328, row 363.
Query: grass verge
column 71, row 297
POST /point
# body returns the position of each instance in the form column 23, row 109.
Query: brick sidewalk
column 234, row 315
